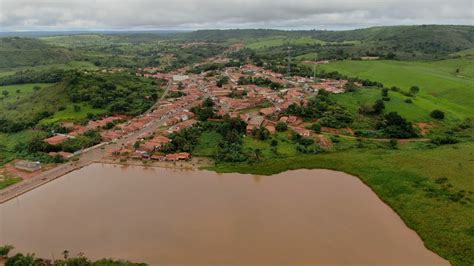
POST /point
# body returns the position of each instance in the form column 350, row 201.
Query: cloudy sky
column 21, row 15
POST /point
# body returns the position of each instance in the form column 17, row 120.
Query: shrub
column 395, row 126
column 336, row 117
column 4, row 250
column 316, row 127
column 281, row 126
column 378, row 107
column 393, row 144
column 444, row 140
column 437, row 114
column 408, row 101
column 335, row 138
column 414, row 90
column 261, row 133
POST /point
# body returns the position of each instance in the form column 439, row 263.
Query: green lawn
column 417, row 182
column 441, row 86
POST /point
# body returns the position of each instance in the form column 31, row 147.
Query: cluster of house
column 121, row 127
column 232, row 98
column 147, row 148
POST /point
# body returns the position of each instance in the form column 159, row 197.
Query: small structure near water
column 28, row 166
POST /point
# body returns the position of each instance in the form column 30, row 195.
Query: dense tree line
column 119, row 93
column 213, row 66
column 21, row 259
column 32, row 76
column 229, row 149
column 259, row 81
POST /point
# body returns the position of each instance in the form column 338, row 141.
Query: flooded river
column 177, row 217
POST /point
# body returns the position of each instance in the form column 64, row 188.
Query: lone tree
column 437, row 114
column 414, row 90
column 378, row 107
column 5, row 93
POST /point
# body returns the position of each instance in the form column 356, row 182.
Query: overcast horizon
column 148, row 15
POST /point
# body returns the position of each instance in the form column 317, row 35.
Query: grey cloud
column 162, row 14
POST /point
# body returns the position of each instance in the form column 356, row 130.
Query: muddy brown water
column 177, row 217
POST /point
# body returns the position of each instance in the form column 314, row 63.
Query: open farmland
column 446, row 84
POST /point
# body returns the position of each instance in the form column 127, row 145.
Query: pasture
column 447, row 85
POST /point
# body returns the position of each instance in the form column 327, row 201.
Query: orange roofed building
column 55, row 140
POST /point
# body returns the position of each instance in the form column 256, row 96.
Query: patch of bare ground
column 424, row 127
column 338, row 131
column 324, row 141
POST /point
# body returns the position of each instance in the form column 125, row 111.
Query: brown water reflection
column 174, row 217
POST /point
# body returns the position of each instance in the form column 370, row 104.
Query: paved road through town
column 94, row 154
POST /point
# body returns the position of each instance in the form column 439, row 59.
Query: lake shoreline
column 288, row 181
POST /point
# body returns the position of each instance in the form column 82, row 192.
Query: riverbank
column 431, row 190
column 194, row 163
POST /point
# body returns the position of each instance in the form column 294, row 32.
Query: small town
column 258, row 106
column 230, row 132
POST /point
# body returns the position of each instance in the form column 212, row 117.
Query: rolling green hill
column 17, row 52
column 446, row 84
column 404, row 42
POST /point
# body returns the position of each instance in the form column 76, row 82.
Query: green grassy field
column 69, row 114
column 8, row 142
column 85, row 65
column 207, row 145
column 431, row 181
column 442, row 87
column 17, row 92
column 308, row 56
column 7, row 180
column 280, row 41
column 417, row 111
column 31, row 102
column 81, row 40
column 284, row 148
